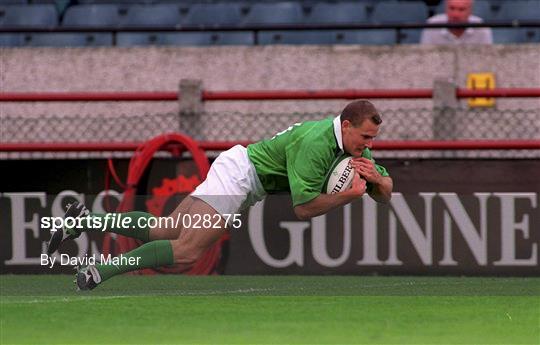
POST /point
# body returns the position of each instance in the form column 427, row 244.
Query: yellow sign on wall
column 481, row 81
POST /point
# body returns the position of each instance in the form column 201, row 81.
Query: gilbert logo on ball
column 341, row 173
column 341, row 176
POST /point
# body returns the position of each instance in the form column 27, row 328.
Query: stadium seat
column 486, row 9
column 28, row 15
column 298, row 37
column 107, row 16
column 409, row 36
column 144, row 2
column 214, row 14
column 184, row 38
column 56, row 39
column 516, row 35
column 166, row 15
column 130, row 2
column 400, row 12
column 519, row 10
column 63, row 39
column 61, row 5
column 275, row 13
column 371, row 37
column 339, row 12
column 11, row 40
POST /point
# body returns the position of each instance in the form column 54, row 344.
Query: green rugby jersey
column 298, row 159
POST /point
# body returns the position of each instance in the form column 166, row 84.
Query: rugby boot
column 87, row 277
column 59, row 236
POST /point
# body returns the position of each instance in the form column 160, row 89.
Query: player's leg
column 149, row 255
column 199, row 237
column 230, row 175
column 172, row 232
column 185, row 250
column 231, row 186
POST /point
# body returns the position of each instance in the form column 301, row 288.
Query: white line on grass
column 219, row 292
column 180, row 293
column 62, row 299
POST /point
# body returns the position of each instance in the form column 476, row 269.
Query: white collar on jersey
column 337, row 133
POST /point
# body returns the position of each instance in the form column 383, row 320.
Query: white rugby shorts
column 232, row 184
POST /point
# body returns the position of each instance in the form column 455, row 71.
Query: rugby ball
column 340, row 177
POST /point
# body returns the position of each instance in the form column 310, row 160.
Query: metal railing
column 448, row 126
column 261, row 95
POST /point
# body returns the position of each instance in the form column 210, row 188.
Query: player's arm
column 382, row 191
column 382, row 185
column 326, row 202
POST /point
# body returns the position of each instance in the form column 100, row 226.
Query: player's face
column 458, row 11
column 356, row 139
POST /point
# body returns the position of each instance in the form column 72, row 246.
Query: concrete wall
column 263, row 67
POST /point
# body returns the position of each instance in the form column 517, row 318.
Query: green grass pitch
column 166, row 309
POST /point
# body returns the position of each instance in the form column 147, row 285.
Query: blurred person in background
column 457, row 11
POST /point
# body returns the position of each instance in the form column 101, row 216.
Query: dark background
column 460, row 176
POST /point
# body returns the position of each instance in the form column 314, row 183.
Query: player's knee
column 187, row 255
column 172, row 233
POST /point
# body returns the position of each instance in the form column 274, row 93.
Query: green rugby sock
column 125, row 224
column 149, row 255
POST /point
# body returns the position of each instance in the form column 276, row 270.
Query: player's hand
column 366, row 169
column 358, row 186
